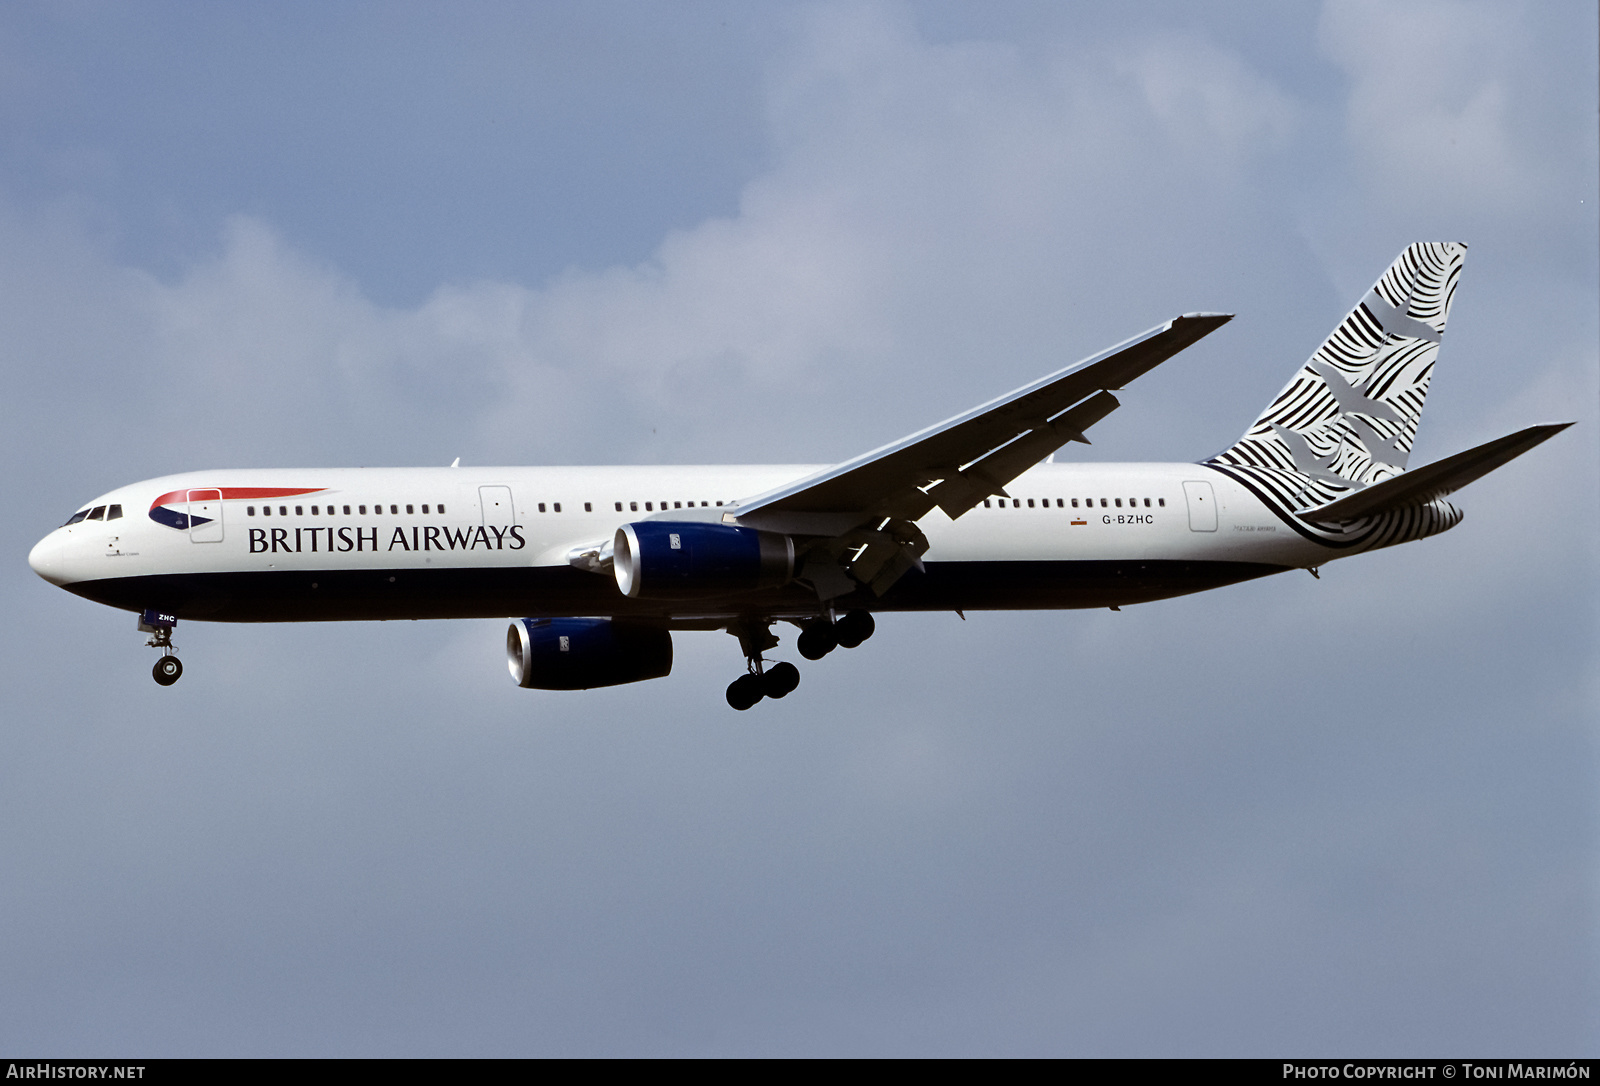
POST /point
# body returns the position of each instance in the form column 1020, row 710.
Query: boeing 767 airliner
column 973, row 513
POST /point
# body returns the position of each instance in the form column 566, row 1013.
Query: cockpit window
column 79, row 515
column 97, row 513
column 113, row 512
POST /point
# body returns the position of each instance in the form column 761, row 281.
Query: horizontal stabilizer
column 1423, row 485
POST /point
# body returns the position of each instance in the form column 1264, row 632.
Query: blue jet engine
column 583, row 653
column 664, row 560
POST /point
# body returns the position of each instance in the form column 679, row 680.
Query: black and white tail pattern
column 1349, row 417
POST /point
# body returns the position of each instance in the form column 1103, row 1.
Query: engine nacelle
column 666, row 560
column 583, row 653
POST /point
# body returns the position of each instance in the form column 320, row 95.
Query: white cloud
column 1432, row 114
column 936, row 213
column 1215, row 109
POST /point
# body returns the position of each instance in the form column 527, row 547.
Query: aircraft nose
column 47, row 560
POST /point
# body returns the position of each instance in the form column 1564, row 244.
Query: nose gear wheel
column 168, row 670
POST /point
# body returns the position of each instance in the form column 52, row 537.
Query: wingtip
column 1219, row 318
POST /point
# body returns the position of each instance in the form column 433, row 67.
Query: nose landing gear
column 168, row 669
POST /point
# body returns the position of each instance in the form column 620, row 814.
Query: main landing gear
column 779, row 680
column 823, row 636
column 168, row 669
column 760, row 681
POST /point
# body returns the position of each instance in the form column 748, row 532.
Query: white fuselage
column 281, row 545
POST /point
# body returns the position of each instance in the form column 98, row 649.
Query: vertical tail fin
column 1349, row 417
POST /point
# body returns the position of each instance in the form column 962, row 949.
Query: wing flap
column 977, row 453
column 994, row 471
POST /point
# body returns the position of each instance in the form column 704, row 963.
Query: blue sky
column 1298, row 816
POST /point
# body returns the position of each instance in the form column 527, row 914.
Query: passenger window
column 299, row 510
column 649, row 507
column 719, row 503
column 1074, row 503
column 283, row 510
column 409, row 510
column 587, row 508
column 313, row 510
column 679, row 505
column 1030, row 503
column 1147, row 503
column 394, row 510
column 633, row 507
column 1119, row 503
column 114, row 513
column 541, row 507
column 97, row 513
column 441, row 510
column 1162, row 502
column 363, row 510
column 986, row 504
column 249, row 510
column 347, row 510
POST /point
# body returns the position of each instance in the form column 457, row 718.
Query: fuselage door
column 497, row 508
column 205, row 516
column 1202, row 506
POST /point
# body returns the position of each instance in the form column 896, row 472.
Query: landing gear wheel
column 854, row 628
column 817, row 640
column 168, row 670
column 744, row 692
column 779, row 680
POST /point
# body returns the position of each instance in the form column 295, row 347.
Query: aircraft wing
column 959, row 462
column 1422, row 485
